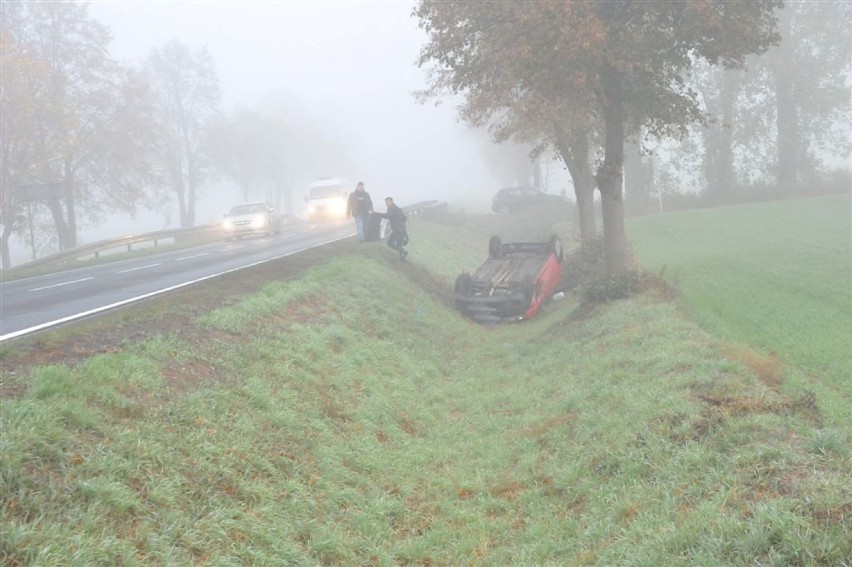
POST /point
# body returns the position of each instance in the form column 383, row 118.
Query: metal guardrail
column 426, row 209
column 96, row 249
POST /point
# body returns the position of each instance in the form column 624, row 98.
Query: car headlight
column 259, row 221
column 228, row 224
column 339, row 206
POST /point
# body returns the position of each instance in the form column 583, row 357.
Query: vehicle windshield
column 324, row 192
column 248, row 209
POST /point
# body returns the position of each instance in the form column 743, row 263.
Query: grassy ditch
column 349, row 416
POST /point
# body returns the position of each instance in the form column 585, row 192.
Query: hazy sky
column 352, row 63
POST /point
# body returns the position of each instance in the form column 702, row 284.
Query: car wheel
column 463, row 283
column 495, row 247
column 554, row 246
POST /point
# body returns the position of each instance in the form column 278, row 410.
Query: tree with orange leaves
column 573, row 74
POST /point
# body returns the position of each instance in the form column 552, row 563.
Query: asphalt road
column 37, row 303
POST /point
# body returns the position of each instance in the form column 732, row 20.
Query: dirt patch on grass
column 768, row 369
column 188, row 375
column 720, row 409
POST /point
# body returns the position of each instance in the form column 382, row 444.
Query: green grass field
column 776, row 277
column 351, row 417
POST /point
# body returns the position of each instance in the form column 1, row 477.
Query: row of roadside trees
column 598, row 82
column 85, row 137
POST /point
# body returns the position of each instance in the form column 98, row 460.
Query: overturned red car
column 513, row 283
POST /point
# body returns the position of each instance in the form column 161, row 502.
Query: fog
column 347, row 68
column 347, row 65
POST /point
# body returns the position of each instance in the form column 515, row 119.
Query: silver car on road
column 251, row 219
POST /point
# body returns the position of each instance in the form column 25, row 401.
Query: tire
column 554, row 246
column 463, row 283
column 495, row 247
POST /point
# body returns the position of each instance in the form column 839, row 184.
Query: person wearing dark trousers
column 399, row 234
column 359, row 206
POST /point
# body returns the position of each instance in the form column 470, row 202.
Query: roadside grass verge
column 349, row 416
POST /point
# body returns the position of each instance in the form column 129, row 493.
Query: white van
column 327, row 199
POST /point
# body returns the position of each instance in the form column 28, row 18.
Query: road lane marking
column 60, row 284
column 103, row 308
column 194, row 256
column 138, row 268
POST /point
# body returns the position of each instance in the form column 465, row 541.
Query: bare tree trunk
column 70, row 238
column 536, row 174
column 57, row 212
column 190, row 199
column 5, row 254
column 611, row 176
column 788, row 133
column 191, row 170
column 575, row 153
column 725, row 165
column 177, row 180
column 786, row 113
column 638, row 180
column 719, row 140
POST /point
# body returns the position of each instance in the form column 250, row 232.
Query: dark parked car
column 512, row 283
column 514, row 199
column 251, row 218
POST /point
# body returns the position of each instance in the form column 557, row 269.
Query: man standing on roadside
column 359, row 206
column 399, row 233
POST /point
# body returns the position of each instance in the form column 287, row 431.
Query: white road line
column 194, row 256
column 23, row 332
column 138, row 268
column 60, row 284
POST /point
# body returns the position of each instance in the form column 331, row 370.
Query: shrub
column 586, row 271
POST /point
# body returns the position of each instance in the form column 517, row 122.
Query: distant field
column 775, row 276
column 332, row 408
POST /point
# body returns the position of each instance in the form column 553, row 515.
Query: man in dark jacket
column 399, row 234
column 359, row 206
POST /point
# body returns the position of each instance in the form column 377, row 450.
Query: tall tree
column 73, row 118
column 720, row 98
column 638, row 180
column 619, row 61
column 22, row 98
column 506, row 59
column 810, row 71
column 784, row 120
column 255, row 150
column 186, row 98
